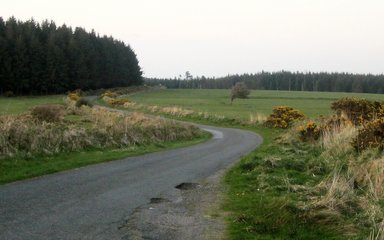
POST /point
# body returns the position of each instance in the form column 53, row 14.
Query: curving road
column 92, row 202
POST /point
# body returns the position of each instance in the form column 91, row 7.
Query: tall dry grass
column 336, row 140
column 353, row 186
column 25, row 134
column 378, row 232
column 175, row 111
column 257, row 119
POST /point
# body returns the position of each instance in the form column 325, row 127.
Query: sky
column 221, row 37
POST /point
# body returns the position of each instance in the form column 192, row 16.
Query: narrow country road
column 94, row 201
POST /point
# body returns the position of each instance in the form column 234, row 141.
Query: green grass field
column 312, row 104
column 16, row 105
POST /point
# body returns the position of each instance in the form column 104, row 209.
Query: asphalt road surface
column 93, row 202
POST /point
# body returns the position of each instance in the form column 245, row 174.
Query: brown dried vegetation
column 44, row 131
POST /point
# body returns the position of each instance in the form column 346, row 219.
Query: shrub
column 48, row 113
column 283, row 116
column 309, row 131
column 359, row 111
column 240, row 90
column 74, row 96
column 109, row 93
column 118, row 101
column 370, row 136
column 83, row 102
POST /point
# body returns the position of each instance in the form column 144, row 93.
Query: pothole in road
column 187, row 186
column 158, row 200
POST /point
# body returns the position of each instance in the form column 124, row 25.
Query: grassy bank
column 282, row 191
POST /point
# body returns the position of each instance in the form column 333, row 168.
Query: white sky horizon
column 221, row 37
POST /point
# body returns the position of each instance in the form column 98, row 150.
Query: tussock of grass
column 337, row 140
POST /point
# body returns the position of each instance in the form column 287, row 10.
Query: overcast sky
column 220, row 37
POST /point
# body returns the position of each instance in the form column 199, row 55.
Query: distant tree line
column 285, row 80
column 45, row 59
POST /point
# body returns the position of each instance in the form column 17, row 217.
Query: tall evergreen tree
column 46, row 59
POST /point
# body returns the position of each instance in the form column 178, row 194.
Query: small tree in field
column 240, row 90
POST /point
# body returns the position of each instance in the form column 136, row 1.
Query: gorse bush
column 120, row 102
column 283, row 116
column 49, row 112
column 309, row 132
column 359, row 111
column 109, row 94
column 371, row 135
column 115, row 92
column 74, row 96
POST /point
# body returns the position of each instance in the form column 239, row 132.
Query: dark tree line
column 285, row 80
column 45, row 59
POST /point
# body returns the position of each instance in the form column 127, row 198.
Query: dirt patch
column 191, row 212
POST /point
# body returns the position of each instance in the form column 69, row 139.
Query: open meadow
column 217, row 101
column 16, row 105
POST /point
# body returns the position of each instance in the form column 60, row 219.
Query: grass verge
column 13, row 169
column 270, row 191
